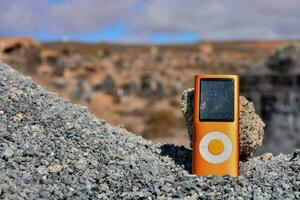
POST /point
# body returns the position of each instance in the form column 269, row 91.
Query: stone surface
column 101, row 161
column 251, row 126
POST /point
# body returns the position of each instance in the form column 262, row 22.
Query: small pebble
column 266, row 156
column 55, row 168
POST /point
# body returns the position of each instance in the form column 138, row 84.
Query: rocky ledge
column 51, row 149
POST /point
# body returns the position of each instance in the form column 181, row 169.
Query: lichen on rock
column 251, row 126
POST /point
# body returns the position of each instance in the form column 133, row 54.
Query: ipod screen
column 216, row 99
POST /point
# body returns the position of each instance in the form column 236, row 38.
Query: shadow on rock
column 181, row 155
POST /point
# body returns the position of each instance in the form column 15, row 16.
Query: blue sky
column 150, row 21
column 111, row 33
column 55, row 2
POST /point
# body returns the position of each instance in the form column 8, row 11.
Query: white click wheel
column 215, row 147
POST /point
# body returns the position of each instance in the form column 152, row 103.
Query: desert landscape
column 129, row 134
column 97, row 99
column 135, row 86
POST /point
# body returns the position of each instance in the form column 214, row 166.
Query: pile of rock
column 52, row 149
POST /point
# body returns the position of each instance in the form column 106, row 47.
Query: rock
column 274, row 87
column 107, row 162
column 8, row 152
column 42, row 170
column 104, row 187
column 187, row 107
column 18, row 118
column 20, row 45
column 266, row 156
column 251, row 126
column 22, row 51
column 285, row 58
column 296, row 154
column 55, row 168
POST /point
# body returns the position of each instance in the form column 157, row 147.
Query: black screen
column 217, row 99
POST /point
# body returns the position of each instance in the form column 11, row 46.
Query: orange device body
column 216, row 142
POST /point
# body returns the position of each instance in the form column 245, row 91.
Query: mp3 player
column 216, row 125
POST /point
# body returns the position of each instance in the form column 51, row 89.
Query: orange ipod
column 216, row 125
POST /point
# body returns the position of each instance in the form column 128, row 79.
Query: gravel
column 251, row 126
column 51, row 149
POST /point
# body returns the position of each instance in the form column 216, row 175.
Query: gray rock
column 42, row 169
column 284, row 58
column 113, row 163
column 251, row 126
column 273, row 84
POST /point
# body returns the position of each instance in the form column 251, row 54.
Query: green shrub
column 65, row 51
column 160, row 124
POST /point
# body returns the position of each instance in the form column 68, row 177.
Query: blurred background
column 129, row 61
